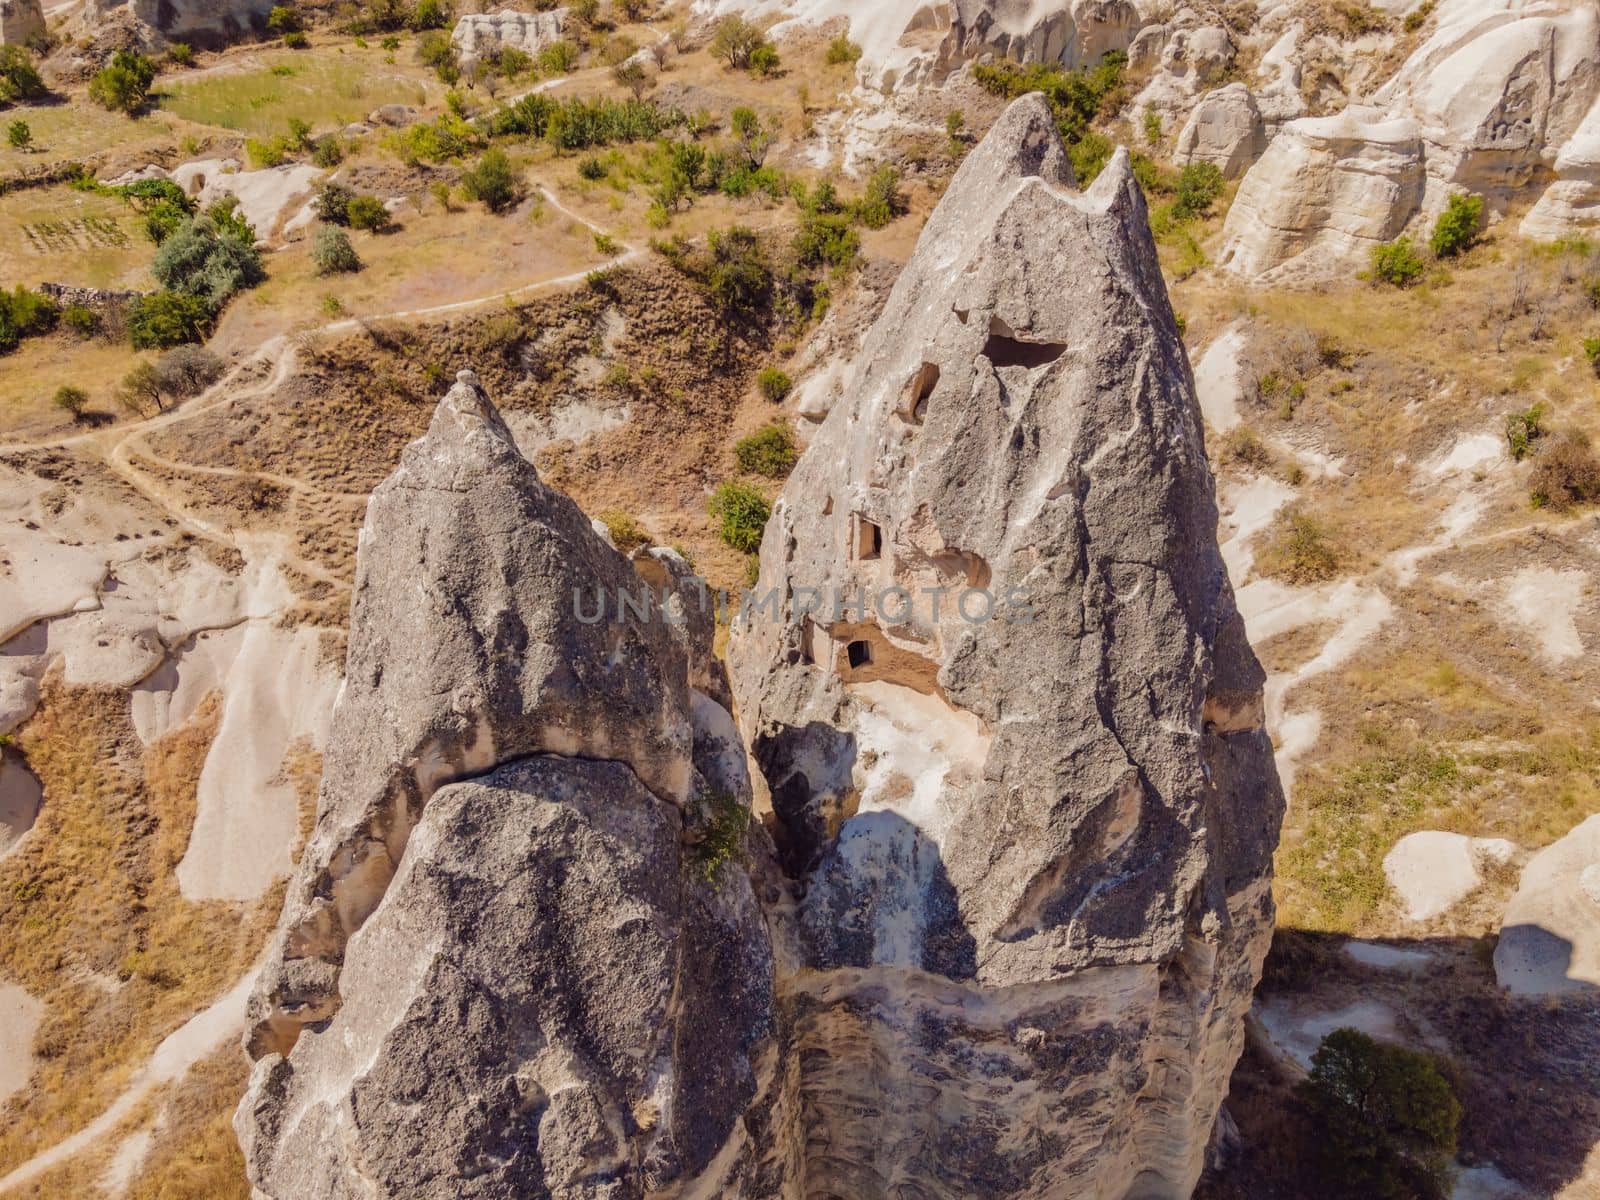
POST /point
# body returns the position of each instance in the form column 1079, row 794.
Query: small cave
column 859, row 654
column 914, row 401
column 1005, row 349
column 869, row 540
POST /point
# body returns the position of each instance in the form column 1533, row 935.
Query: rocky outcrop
column 1224, row 129
column 1571, row 205
column 21, row 22
column 1326, row 191
column 1550, row 936
column 200, row 22
column 1008, row 720
column 484, row 35
column 1000, row 932
column 504, row 966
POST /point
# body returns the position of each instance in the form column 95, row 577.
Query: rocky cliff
column 1008, row 719
column 997, row 934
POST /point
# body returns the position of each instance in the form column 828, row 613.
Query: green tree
column 165, row 319
column 429, row 14
column 842, row 50
column 738, row 276
column 140, row 392
column 1199, row 184
column 741, row 513
column 735, row 41
column 1457, row 226
column 332, row 252
column 764, row 59
column 770, row 452
column 493, row 181
column 19, row 135
column 283, row 19
column 1388, row 1118
column 632, row 75
column 201, row 260
column 124, row 85
column 71, row 400
column 774, row 383
column 882, row 201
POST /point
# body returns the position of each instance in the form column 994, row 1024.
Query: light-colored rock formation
column 1031, row 827
column 517, row 778
column 1191, row 59
column 270, row 199
column 1224, row 129
column 1431, row 871
column 1571, row 205
column 1550, row 935
column 20, row 795
column 201, row 22
column 908, row 43
column 21, row 22
column 1326, row 191
column 477, row 36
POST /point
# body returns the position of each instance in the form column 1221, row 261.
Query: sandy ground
column 1431, row 872
column 1298, row 1030
column 1217, row 382
column 1545, row 603
column 1387, row 958
column 198, row 1038
column 20, row 797
column 19, row 1017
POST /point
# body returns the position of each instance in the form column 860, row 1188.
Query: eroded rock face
column 21, row 22
column 1326, row 191
column 1225, row 130
column 203, row 22
column 503, row 966
column 477, row 36
column 1032, row 829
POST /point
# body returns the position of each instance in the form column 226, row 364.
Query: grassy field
column 64, row 131
column 260, row 94
column 66, row 236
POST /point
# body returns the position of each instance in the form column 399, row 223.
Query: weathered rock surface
column 202, row 22
column 1224, row 129
column 481, row 35
column 503, row 968
column 21, row 22
column 1432, row 871
column 1033, row 851
column 1326, row 191
column 1550, row 936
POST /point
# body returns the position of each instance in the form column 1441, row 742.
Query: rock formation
column 505, row 852
column 1000, row 933
column 477, row 36
column 201, row 22
column 1224, row 129
column 21, row 22
column 1008, row 719
column 1326, row 191
column 1550, row 936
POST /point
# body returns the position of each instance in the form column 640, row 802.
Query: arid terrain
column 667, row 266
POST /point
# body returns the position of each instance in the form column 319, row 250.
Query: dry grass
column 118, row 957
column 195, row 1155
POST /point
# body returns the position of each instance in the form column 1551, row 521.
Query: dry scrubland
column 632, row 389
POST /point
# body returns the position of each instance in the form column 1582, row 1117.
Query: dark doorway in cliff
column 869, row 539
column 1005, row 349
column 914, row 405
column 859, row 654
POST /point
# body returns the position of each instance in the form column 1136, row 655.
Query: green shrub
column 514, row 63
column 721, row 835
column 492, row 181
column 769, row 452
column 1523, row 429
column 230, row 220
column 327, row 152
column 738, row 275
column 764, row 59
column 332, row 252
column 1199, row 184
column 71, row 400
column 429, row 14
column 626, row 533
column 842, row 50
column 187, row 371
column 1152, row 126
column 1565, row 472
column 24, row 313
column 201, row 260
column 19, row 135
column 282, row 19
column 1397, row 263
column 124, row 84
column 268, row 152
column 1075, row 97
column 775, row 385
column 592, row 168
column 167, row 319
column 181, row 54
column 332, row 202
column 1387, row 1117
column 20, row 80
column 369, row 214
column 296, row 41
column 580, row 124
column 1457, row 226
column 81, row 320
column 1301, row 549
column 826, row 239
column 140, row 392
column 741, row 513
column 882, row 201
column 558, row 57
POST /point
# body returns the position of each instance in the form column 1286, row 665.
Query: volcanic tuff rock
column 205, row 22
column 482, row 34
column 1224, row 129
column 503, row 968
column 1001, row 934
column 1034, row 850
column 21, row 21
